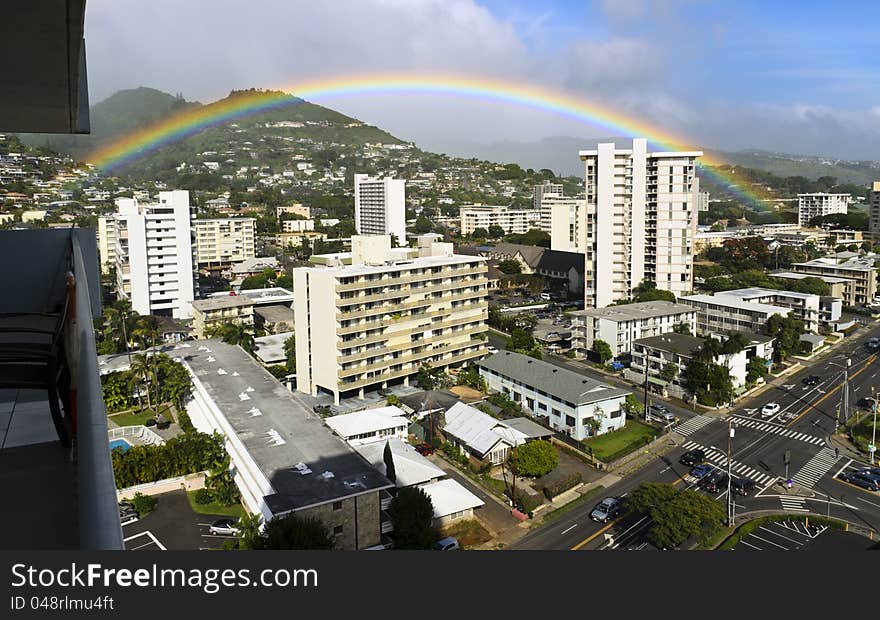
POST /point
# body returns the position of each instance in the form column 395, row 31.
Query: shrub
column 535, row 458
column 203, row 496
column 526, row 503
column 144, row 504
column 561, row 486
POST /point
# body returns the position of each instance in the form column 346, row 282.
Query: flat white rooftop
column 732, row 302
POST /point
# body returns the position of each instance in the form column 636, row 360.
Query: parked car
column 701, row 471
column 812, row 380
column 715, row 482
column 860, row 480
column 492, row 350
column 607, row 509
column 872, row 473
column 742, row 486
column 692, row 457
column 770, row 409
column 424, row 449
column 383, row 392
column 660, row 413
column 224, row 527
column 127, row 514
column 447, row 544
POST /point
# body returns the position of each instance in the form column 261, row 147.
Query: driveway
column 492, row 514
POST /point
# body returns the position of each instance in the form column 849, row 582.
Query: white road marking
column 867, row 502
column 791, row 540
column 742, row 542
column 150, row 535
column 768, row 541
column 567, row 530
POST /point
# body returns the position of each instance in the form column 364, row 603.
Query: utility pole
column 873, row 447
column 646, row 381
column 730, row 504
column 846, row 391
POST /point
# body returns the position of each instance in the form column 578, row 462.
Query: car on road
column 716, row 481
column 424, row 449
column 492, row 350
column 447, row 544
column 861, row 480
column 660, row 413
column 692, row 457
column 742, row 486
column 812, row 380
column 701, row 471
column 224, row 527
column 873, row 344
column 770, row 409
column 607, row 509
column 871, row 470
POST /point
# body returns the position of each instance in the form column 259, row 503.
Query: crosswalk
column 716, row 457
column 794, row 504
column 693, row 425
column 816, row 467
column 778, row 430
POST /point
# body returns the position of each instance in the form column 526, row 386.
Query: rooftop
column 566, row 384
column 672, row 342
column 448, row 497
column 732, row 302
column 479, row 430
column 344, row 271
column 270, row 349
column 275, row 313
column 367, row 421
column 252, row 264
column 641, row 310
column 800, row 276
column 410, row 467
column 278, row 430
column 222, row 302
column 831, row 263
column 757, row 291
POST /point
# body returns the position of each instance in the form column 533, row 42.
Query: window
column 337, row 505
column 337, row 530
column 570, row 421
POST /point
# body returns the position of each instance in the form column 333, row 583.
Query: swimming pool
column 121, row 444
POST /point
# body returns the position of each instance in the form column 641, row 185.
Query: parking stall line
column 769, row 542
column 791, row 540
column 743, row 542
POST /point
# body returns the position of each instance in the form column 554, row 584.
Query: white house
column 480, row 435
column 452, row 502
column 370, row 425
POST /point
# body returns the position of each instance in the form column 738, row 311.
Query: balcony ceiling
column 44, row 77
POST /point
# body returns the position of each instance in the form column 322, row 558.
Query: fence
column 142, row 433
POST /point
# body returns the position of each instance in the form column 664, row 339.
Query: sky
column 795, row 77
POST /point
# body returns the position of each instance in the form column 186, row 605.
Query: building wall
column 297, row 225
column 380, row 206
column 513, row 221
column 715, row 318
column 814, row 205
column 222, row 241
column 358, row 517
column 863, row 289
column 874, row 208
column 620, row 334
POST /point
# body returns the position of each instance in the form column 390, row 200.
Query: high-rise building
column 224, row 241
column 819, row 204
column 107, row 242
column 874, row 208
column 702, row 201
column 640, row 220
column 154, row 254
column 375, row 316
column 539, row 191
column 380, row 206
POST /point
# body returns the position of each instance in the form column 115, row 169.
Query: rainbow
column 192, row 121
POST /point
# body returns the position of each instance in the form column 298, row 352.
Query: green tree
column 496, row 232
column 682, row 328
column 248, row 531
column 423, row 225
column 388, row 457
column 480, row 233
column 669, row 372
column 756, row 369
column 603, row 350
column 293, row 532
column 648, row 291
column 535, row 458
column 510, row 266
column 234, row 334
column 786, row 332
column 521, row 341
column 676, row 515
column 290, row 352
column 632, row 405
column 412, row 515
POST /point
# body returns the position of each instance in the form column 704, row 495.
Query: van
column 545, row 296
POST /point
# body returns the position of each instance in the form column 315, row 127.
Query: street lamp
column 844, row 397
column 873, row 447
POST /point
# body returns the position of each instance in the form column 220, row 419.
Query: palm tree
column 235, row 334
column 142, row 370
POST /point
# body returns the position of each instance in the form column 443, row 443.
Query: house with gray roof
column 565, row 400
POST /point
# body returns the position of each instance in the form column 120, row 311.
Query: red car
column 424, row 449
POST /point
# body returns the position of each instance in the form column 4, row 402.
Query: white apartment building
column 513, row 221
column 820, row 203
column 860, row 270
column 297, row 225
column 107, row 242
column 619, row 326
column 540, row 191
column 224, row 241
column 641, row 220
column 570, row 402
column 296, row 209
column 374, row 316
column 717, row 315
column 380, row 206
column 154, row 254
column 874, row 208
column 702, row 201
column 563, row 219
column 804, row 306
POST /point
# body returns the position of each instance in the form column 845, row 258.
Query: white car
column 770, row 409
column 491, row 350
column 224, row 527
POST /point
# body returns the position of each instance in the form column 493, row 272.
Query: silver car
column 607, row 509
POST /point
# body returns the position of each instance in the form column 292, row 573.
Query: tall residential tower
column 380, row 206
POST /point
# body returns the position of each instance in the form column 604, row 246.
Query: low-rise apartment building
column 860, row 270
column 841, row 288
column 569, row 402
column 297, row 225
column 717, row 315
column 215, row 311
column 620, row 325
column 512, row 220
column 377, row 320
column 804, row 306
column 370, row 425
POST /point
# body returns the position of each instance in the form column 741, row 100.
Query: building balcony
column 55, row 467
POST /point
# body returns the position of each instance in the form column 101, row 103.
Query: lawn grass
column 494, row 484
column 615, row 444
column 214, row 508
column 469, row 533
column 134, row 417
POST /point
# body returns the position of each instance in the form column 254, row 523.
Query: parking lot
column 172, row 525
column 796, row 536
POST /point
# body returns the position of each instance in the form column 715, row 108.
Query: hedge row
column 569, row 482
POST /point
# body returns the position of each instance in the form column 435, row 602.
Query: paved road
column 801, row 428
